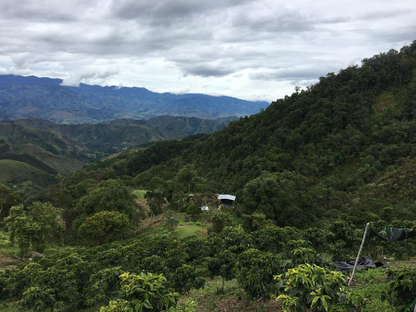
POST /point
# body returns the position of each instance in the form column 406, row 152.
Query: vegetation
column 309, row 172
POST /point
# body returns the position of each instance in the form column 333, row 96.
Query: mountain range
column 46, row 98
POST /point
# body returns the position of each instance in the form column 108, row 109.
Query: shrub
column 402, row 287
column 312, row 287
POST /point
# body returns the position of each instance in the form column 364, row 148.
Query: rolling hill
column 36, row 151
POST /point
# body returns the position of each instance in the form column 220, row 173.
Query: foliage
column 8, row 198
column 255, row 273
column 282, row 197
column 222, row 264
column 185, row 278
column 104, row 285
column 171, row 222
column 38, row 299
column 402, row 287
column 34, row 227
column 103, row 225
column 312, row 287
column 220, row 220
column 144, row 292
column 111, row 195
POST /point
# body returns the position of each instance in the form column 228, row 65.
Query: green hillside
column 61, row 149
column 33, row 158
column 325, row 150
column 24, row 178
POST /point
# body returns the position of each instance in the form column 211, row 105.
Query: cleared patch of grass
column 373, row 286
column 211, row 299
column 186, row 230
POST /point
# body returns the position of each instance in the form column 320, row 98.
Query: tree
column 111, row 195
column 146, row 292
column 282, row 197
column 222, row 264
column 312, row 288
column 188, row 178
column 103, row 225
column 50, row 226
column 8, row 198
column 220, row 220
column 35, row 226
column 255, row 273
column 171, row 222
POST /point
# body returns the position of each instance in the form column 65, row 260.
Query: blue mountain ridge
column 47, row 98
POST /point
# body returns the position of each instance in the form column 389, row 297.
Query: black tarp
column 393, row 235
column 363, row 263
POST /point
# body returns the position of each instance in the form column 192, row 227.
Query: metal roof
column 226, row 196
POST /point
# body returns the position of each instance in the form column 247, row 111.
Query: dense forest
column 309, row 172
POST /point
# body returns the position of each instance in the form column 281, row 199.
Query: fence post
column 359, row 252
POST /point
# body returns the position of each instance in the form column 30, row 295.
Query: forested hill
column 22, row 97
column 344, row 145
column 34, row 151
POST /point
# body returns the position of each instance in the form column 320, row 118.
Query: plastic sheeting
column 363, row 263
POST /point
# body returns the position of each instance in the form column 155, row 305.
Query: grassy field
column 189, row 229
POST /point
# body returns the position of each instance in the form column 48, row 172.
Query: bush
column 402, row 287
column 312, row 287
column 255, row 273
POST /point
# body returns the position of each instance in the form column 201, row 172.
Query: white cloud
column 247, row 49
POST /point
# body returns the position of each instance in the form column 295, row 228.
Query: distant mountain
column 31, row 158
column 22, row 97
column 34, row 152
column 111, row 137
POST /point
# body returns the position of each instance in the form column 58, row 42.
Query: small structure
column 205, row 208
column 226, row 200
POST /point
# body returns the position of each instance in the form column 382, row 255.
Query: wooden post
column 359, row 252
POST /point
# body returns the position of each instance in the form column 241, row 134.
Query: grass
column 371, row 284
column 190, row 229
column 211, row 299
column 9, row 255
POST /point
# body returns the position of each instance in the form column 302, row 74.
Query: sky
column 253, row 50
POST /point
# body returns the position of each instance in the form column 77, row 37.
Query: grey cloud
column 165, row 11
column 383, row 14
column 274, row 22
column 208, row 70
column 41, row 10
column 398, row 35
column 305, row 73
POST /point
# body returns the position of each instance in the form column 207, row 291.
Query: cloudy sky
column 255, row 50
